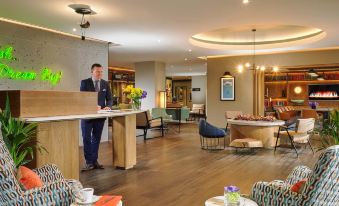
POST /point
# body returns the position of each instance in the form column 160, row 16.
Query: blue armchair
column 210, row 135
column 321, row 187
column 55, row 191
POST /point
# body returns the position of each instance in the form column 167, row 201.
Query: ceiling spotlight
column 190, row 50
column 186, row 59
column 85, row 25
column 245, row 1
column 262, row 68
column 82, row 9
column 247, row 65
column 275, row 69
column 74, row 29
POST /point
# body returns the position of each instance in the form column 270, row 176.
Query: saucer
column 94, row 199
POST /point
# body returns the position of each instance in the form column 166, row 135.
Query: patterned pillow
column 28, row 179
column 298, row 187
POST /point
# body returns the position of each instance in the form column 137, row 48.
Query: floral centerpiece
column 255, row 118
column 231, row 195
column 313, row 105
column 135, row 95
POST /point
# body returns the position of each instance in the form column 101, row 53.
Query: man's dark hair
column 95, row 65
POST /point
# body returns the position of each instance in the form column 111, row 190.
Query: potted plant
column 18, row 136
column 330, row 132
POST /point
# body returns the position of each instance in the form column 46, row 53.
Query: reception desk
column 58, row 131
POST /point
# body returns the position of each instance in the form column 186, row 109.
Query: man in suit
column 92, row 128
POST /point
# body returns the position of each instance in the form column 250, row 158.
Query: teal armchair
column 161, row 112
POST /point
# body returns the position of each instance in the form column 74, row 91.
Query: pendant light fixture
column 241, row 67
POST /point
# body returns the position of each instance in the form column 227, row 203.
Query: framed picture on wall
column 227, row 89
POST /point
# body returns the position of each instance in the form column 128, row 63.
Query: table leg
column 124, row 141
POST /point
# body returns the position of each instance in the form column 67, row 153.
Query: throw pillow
column 298, row 187
column 28, row 179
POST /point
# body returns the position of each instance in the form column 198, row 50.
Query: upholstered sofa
column 321, row 187
column 55, row 191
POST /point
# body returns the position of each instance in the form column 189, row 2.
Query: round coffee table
column 219, row 201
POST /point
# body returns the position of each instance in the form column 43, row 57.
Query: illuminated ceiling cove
column 267, row 37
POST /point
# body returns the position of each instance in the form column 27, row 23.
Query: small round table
column 219, row 201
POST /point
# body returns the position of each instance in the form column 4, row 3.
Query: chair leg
column 225, row 142
column 226, row 127
column 145, row 134
column 162, row 130
column 309, row 143
column 292, row 143
column 276, row 142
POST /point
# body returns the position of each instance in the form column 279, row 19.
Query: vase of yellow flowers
column 135, row 95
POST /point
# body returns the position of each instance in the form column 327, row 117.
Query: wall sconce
column 162, row 99
column 297, row 90
column 227, row 74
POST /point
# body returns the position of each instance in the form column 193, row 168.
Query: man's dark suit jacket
column 104, row 95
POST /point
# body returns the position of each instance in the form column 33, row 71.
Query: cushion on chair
column 155, row 123
column 297, row 137
column 28, row 179
column 208, row 130
column 246, row 143
column 298, row 187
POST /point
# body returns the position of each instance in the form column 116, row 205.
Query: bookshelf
column 290, row 87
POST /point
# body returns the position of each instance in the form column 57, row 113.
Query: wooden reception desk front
column 57, row 114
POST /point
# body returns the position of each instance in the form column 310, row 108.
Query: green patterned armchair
column 321, row 187
column 55, row 191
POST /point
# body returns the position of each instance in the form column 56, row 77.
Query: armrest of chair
column 55, row 193
column 297, row 174
column 49, row 173
column 266, row 194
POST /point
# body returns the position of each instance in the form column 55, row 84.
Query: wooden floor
column 174, row 170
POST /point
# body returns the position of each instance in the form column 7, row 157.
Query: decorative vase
column 231, row 196
column 136, row 104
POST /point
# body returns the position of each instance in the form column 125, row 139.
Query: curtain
column 259, row 93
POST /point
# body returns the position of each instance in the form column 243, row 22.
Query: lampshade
column 162, row 99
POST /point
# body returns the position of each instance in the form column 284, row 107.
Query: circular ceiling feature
column 266, row 37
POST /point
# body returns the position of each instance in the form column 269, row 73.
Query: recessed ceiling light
column 159, row 40
column 245, row 1
column 275, row 69
column 247, row 64
column 186, row 59
column 190, row 50
column 74, row 29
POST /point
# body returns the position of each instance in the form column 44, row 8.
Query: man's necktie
column 96, row 85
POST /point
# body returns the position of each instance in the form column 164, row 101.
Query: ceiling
column 160, row 30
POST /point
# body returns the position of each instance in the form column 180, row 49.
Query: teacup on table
column 86, row 194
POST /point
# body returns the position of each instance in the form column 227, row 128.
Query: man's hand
column 106, row 108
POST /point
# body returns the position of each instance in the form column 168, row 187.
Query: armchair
column 210, row 135
column 145, row 122
column 321, row 187
column 55, row 191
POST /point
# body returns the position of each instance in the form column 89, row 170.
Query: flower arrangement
column 255, row 118
column 313, row 105
column 135, row 95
